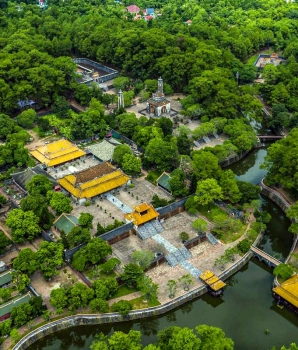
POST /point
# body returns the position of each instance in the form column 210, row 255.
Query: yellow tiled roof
column 57, row 153
column 206, row 275
column 212, row 280
column 138, row 219
column 288, row 290
column 218, row 285
column 94, row 187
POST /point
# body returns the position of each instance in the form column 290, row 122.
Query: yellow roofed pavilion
column 94, row 181
column 57, row 153
column 288, row 290
column 142, row 213
column 206, row 275
column 218, row 285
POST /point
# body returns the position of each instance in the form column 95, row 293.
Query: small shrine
column 142, row 213
column 158, row 105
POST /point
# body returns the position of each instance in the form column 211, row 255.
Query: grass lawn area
column 218, row 214
column 90, row 270
column 141, row 303
column 124, row 290
column 252, row 59
column 215, row 212
column 229, row 237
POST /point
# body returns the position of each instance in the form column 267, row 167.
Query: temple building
column 158, row 105
column 142, row 213
column 94, row 181
column 287, row 293
column 57, row 153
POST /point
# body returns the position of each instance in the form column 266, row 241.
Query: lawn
column 124, row 290
column 89, row 272
column 141, row 303
column 252, row 60
column 215, row 212
column 227, row 234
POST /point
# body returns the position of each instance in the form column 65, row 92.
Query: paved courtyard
column 105, row 212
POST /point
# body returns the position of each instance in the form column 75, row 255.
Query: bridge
column 270, row 137
column 262, row 256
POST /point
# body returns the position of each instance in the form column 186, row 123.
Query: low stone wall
column 90, row 319
column 284, row 205
column 233, row 159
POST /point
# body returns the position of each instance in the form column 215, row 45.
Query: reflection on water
column 248, row 169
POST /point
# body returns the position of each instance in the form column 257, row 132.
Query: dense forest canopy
column 201, row 58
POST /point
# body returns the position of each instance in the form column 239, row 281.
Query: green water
column 246, row 310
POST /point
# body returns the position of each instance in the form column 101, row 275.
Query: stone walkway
column 123, row 207
column 169, row 247
column 172, row 249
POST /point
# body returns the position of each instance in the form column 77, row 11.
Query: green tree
column 60, row 107
column 26, row 119
column 5, row 327
column 244, row 246
column 207, row 191
column 131, row 274
column 20, row 280
column 26, row 262
column 50, row 257
column 184, row 338
column 24, row 225
column 85, row 220
column 284, row 271
column 162, row 153
column 110, row 265
column 59, row 202
column 4, row 242
column 131, row 165
column 143, row 258
column 15, row 335
column 248, row 191
column 39, row 206
column 99, row 305
column 119, row 153
column 229, row 186
column 100, row 289
column 97, row 249
column 213, row 338
column 121, row 83
column 80, row 295
column 200, row 225
column 39, row 184
column 205, row 165
column 122, row 306
column 148, row 289
column 186, row 281
column 78, row 235
column 59, row 298
column 177, row 183
column 3, row 200
column 5, row 294
column 172, row 288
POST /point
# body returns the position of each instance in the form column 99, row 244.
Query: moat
column 247, row 308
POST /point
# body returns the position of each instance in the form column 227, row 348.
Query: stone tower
column 120, row 99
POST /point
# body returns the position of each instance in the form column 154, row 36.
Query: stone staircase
column 211, row 239
column 191, row 269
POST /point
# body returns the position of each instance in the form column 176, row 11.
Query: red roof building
column 133, row 9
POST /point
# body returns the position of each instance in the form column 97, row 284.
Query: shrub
column 122, row 306
column 86, row 204
column 285, row 271
column 244, row 246
column 184, row 236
